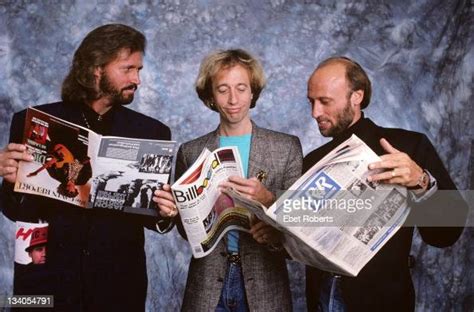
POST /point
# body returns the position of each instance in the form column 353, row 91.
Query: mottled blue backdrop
column 419, row 55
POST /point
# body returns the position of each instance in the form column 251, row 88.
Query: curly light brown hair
column 223, row 59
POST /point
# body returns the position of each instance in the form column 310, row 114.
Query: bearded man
column 96, row 258
column 338, row 90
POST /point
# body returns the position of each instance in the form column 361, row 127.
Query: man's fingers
column 166, row 208
column 384, row 164
column 168, row 213
column 16, row 147
column 266, row 235
column 226, row 184
column 164, row 194
column 11, row 177
column 388, row 147
column 9, row 170
column 167, row 188
column 394, row 176
column 261, row 229
column 165, row 202
column 10, row 163
column 384, row 176
column 390, row 161
column 16, row 155
column 238, row 180
column 262, row 232
column 261, row 236
column 257, row 226
column 26, row 156
column 244, row 189
column 8, row 174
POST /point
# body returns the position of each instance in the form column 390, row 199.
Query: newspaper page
column 206, row 213
column 78, row 166
column 332, row 217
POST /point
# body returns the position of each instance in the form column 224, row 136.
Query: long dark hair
column 99, row 48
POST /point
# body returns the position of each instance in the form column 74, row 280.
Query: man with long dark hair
column 96, row 259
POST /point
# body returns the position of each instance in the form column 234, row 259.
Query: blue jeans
column 330, row 298
column 233, row 297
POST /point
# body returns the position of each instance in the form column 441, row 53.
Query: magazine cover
column 207, row 213
column 78, row 166
column 61, row 168
column 30, row 243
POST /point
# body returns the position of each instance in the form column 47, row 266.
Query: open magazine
column 78, row 166
column 206, row 213
column 332, row 217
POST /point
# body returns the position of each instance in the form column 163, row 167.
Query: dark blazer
column 95, row 258
column 264, row 272
column 385, row 284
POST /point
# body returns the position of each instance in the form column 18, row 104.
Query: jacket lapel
column 212, row 141
column 259, row 159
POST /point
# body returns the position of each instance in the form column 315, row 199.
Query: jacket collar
column 362, row 127
column 366, row 130
column 111, row 122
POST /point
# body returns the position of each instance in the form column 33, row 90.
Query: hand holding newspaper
column 332, row 217
column 206, row 213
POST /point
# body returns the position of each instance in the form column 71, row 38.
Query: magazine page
column 62, row 167
column 128, row 171
column 78, row 166
column 30, row 243
column 332, row 218
column 206, row 213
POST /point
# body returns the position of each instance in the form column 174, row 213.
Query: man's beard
column 116, row 96
column 344, row 119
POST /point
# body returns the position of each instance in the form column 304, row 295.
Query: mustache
column 133, row 87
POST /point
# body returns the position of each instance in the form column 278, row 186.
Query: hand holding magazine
column 332, row 217
column 78, row 166
column 206, row 213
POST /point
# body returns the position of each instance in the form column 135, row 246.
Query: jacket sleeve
column 181, row 167
column 292, row 172
column 440, row 219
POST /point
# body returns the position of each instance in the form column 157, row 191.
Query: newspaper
column 78, row 166
column 206, row 213
column 332, row 217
